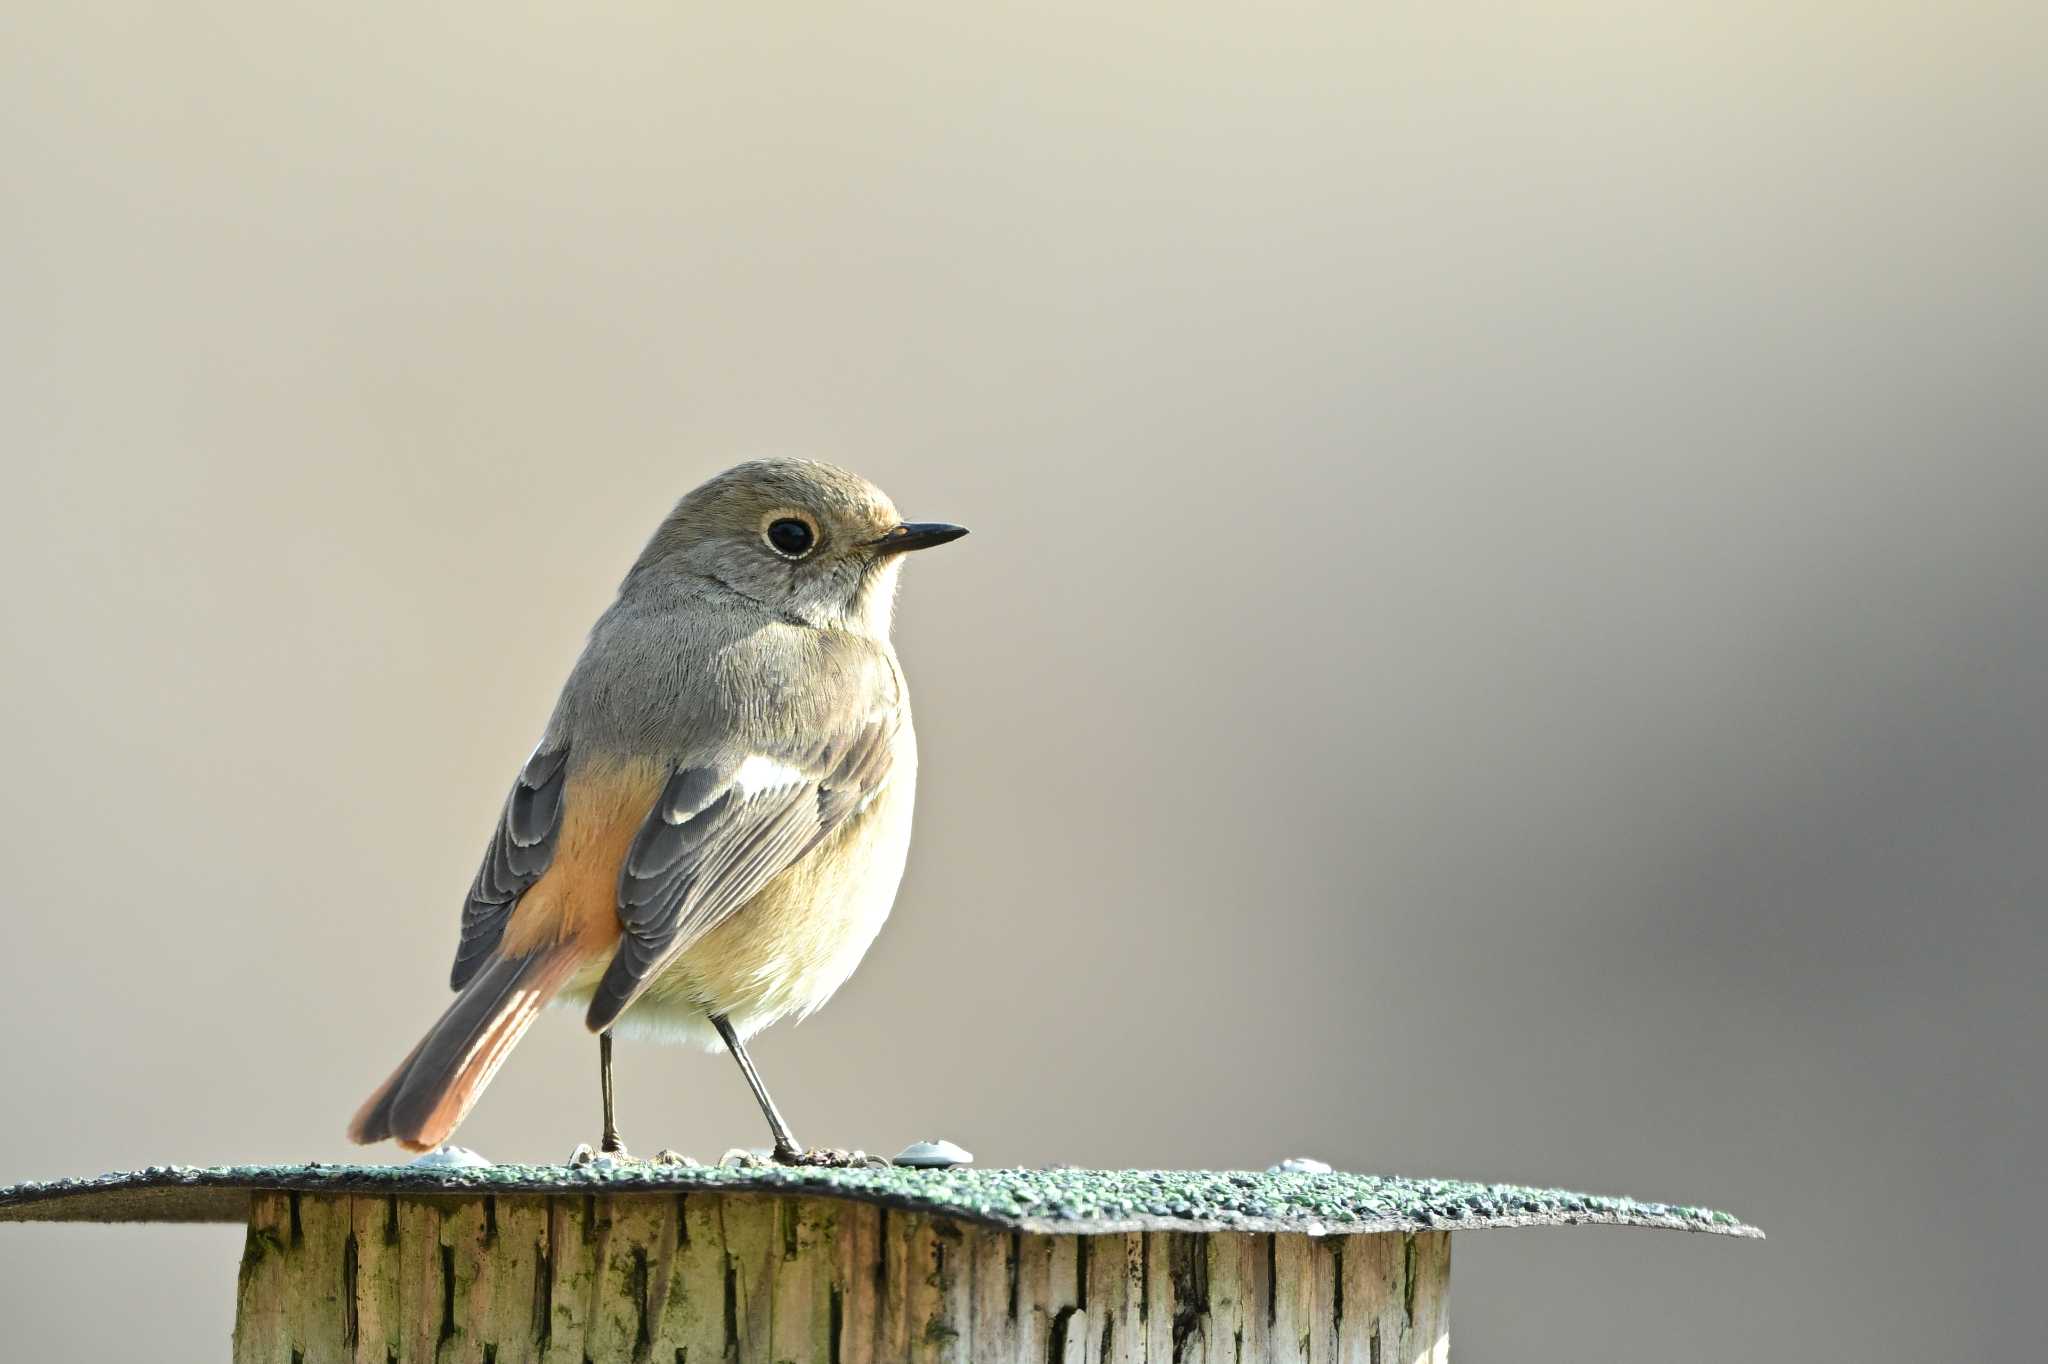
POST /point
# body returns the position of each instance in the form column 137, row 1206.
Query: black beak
column 917, row 535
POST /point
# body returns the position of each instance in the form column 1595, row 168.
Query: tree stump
column 546, row 1265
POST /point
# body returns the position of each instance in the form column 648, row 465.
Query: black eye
column 790, row 537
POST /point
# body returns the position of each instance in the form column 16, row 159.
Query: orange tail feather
column 437, row 1084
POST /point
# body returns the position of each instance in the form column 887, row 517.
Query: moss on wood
column 1050, row 1201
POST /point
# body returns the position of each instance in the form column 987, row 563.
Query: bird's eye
column 790, row 537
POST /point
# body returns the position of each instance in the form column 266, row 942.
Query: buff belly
column 789, row 948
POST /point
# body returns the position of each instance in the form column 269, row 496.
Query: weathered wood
column 1115, row 1297
column 936, row 1291
column 260, row 1295
column 992, row 1298
column 749, row 1225
column 1157, row 1307
column 857, row 1267
column 1429, row 1281
column 316, row 1302
column 751, row 1278
column 1059, row 1298
column 692, row 1321
column 1325, row 1303
column 373, row 1228
column 1291, row 1265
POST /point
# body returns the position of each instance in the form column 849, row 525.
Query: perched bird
column 711, row 830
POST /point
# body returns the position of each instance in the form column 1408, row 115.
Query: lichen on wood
column 734, row 1278
column 1052, row 1201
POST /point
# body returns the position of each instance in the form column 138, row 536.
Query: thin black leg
column 610, row 1141
column 786, row 1148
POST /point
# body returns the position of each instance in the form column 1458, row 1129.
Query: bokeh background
column 1504, row 635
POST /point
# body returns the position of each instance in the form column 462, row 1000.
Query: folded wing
column 521, row 848
column 721, row 830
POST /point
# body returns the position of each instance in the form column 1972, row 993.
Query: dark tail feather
column 434, row 1088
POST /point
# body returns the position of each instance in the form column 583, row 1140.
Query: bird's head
column 803, row 539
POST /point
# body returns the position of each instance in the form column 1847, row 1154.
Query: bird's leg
column 786, row 1149
column 609, row 1143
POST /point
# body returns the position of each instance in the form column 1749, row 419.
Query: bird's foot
column 618, row 1157
column 818, row 1158
column 831, row 1158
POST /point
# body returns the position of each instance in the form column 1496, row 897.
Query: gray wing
column 521, row 848
column 722, row 830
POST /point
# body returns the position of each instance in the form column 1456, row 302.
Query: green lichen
column 1057, row 1200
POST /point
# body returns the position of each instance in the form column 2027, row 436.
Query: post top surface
column 1052, row 1201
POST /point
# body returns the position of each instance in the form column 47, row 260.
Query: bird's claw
column 618, row 1157
column 817, row 1158
column 830, row 1158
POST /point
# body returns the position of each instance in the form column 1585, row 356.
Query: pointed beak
column 916, row 535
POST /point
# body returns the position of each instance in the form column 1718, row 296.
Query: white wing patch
column 760, row 774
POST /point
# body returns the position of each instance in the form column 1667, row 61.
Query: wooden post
column 679, row 1278
column 533, row 1264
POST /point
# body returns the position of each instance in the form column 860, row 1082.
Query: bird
column 712, row 827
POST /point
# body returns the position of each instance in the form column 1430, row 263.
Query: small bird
column 712, row 827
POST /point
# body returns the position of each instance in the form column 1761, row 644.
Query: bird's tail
column 435, row 1086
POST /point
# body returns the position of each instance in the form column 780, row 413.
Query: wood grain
column 666, row 1278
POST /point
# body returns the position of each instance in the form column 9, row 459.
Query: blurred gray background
column 1504, row 635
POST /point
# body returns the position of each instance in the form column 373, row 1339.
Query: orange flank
column 576, row 900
